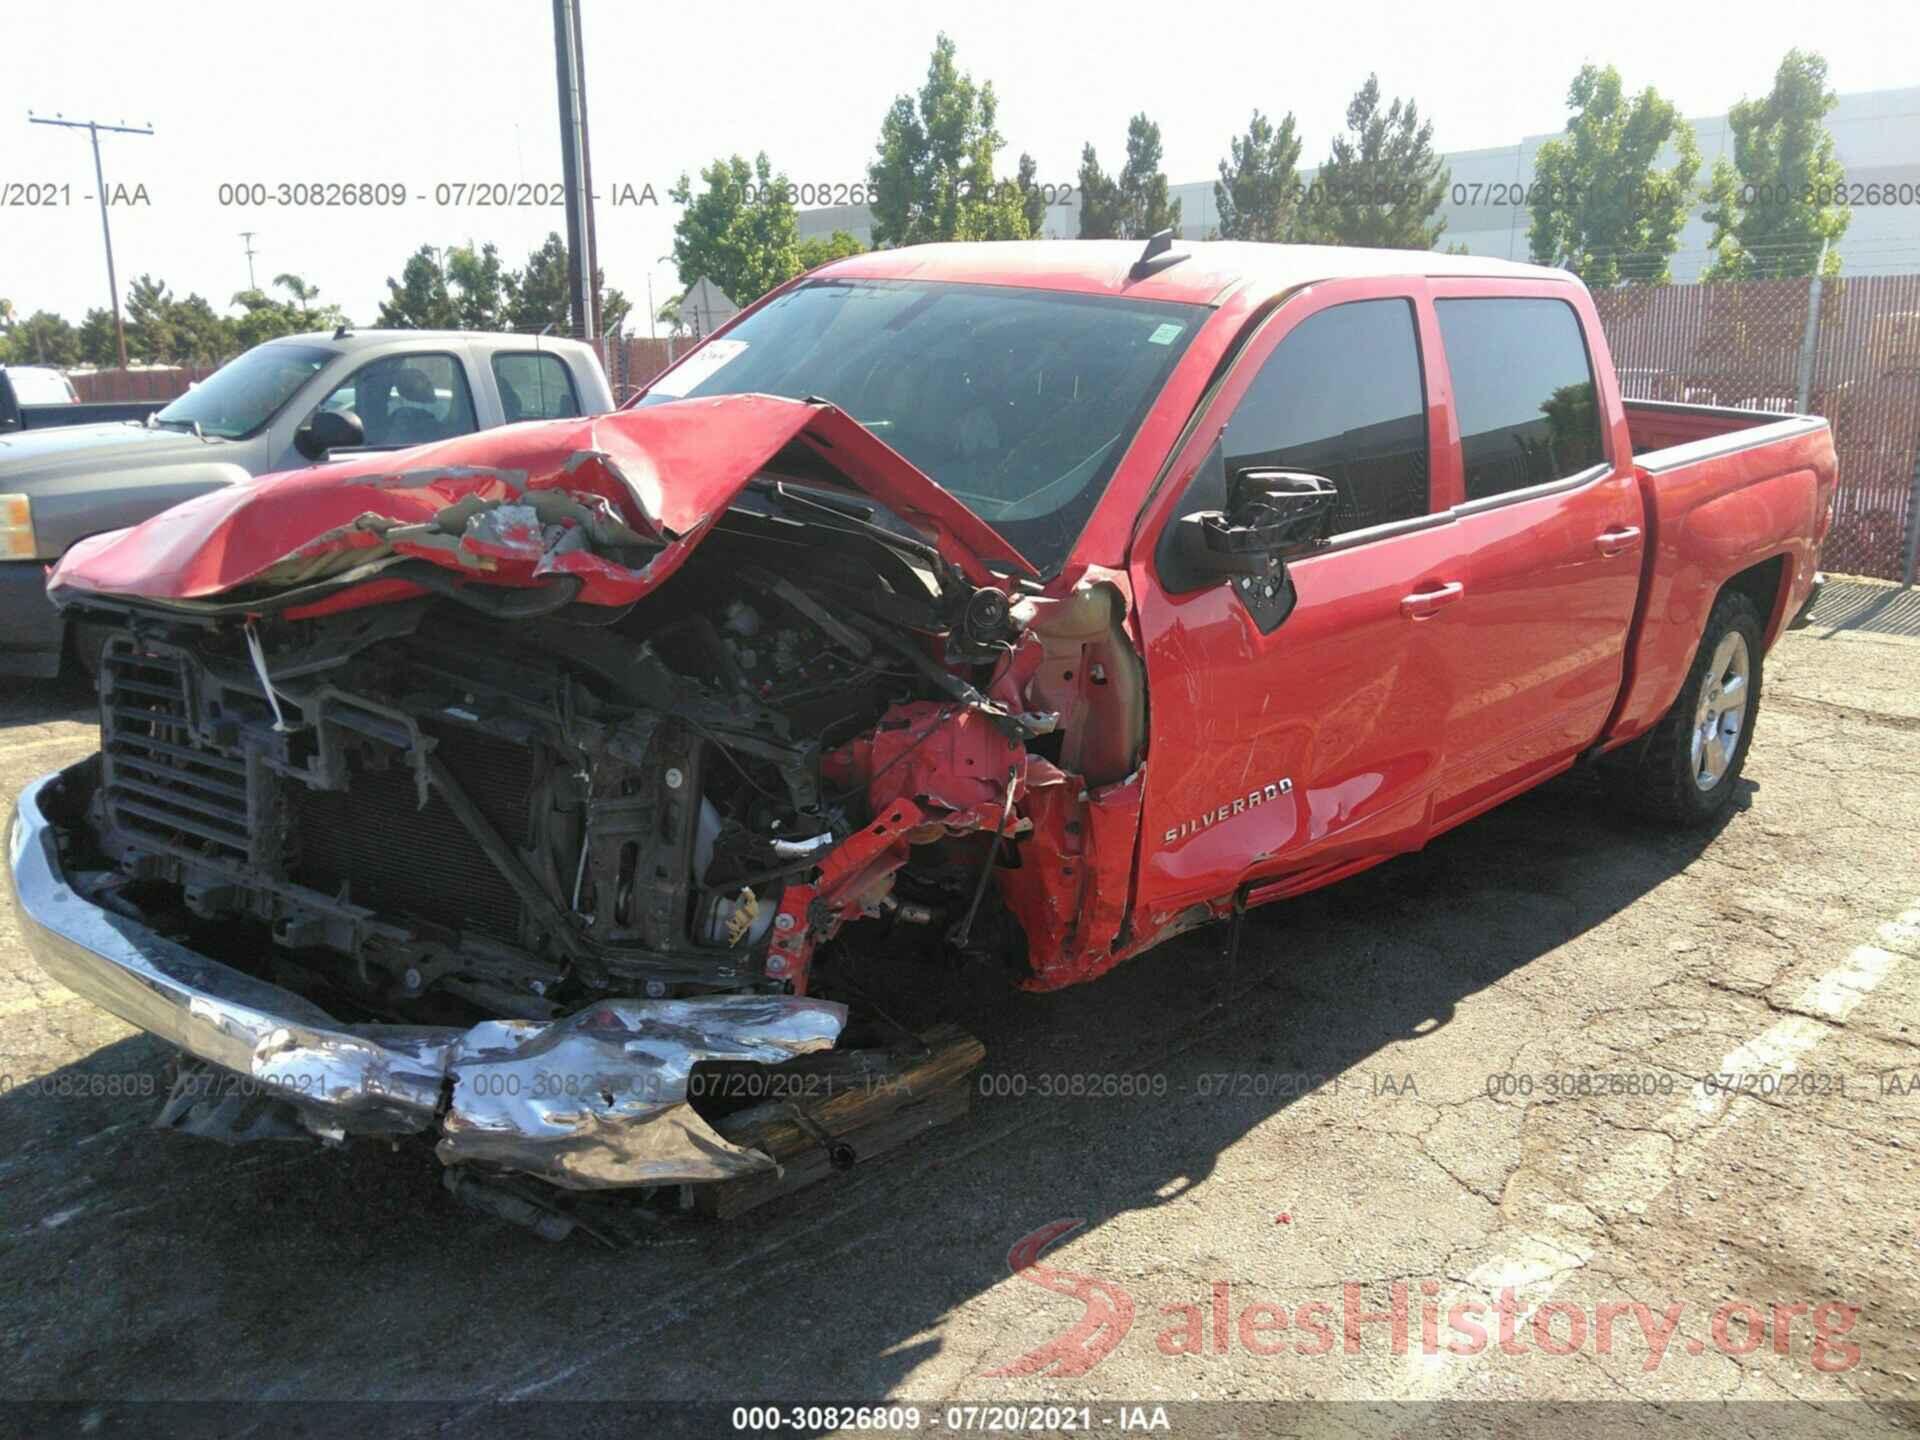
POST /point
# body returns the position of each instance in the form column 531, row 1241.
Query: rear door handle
column 1618, row 540
column 1424, row 602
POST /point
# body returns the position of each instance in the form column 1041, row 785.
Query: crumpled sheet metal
column 599, row 1099
column 659, row 475
column 393, row 1079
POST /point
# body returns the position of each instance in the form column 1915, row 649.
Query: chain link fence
column 1848, row 349
column 631, row 361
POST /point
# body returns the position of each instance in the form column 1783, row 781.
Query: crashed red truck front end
column 421, row 774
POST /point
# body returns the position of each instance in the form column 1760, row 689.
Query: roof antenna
column 346, row 328
column 1155, row 256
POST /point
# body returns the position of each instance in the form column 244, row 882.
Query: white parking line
column 1533, row 1265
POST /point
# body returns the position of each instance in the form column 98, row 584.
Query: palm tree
column 303, row 294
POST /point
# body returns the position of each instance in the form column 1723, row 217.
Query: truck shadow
column 70, row 696
column 153, row 1265
column 1874, row 607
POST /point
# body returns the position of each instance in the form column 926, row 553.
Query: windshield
column 1018, row 402
column 245, row 393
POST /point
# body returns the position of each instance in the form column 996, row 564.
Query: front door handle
column 1618, row 540
column 1424, row 602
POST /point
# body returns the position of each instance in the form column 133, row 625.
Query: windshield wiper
column 844, row 516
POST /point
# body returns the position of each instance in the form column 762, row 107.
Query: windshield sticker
column 1166, row 334
column 698, row 367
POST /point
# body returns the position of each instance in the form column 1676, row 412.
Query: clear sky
column 432, row 94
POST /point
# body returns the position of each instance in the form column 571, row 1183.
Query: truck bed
column 104, row 412
column 1662, row 424
column 1727, row 493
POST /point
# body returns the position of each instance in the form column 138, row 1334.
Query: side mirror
column 1273, row 516
column 1289, row 510
column 329, row 430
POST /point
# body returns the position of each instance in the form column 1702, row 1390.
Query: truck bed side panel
column 1716, row 507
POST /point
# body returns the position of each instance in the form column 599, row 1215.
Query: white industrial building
column 1876, row 135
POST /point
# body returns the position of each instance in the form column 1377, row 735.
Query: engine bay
column 463, row 804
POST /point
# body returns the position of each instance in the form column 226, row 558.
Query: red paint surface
column 665, row 471
column 1393, row 727
column 1389, row 724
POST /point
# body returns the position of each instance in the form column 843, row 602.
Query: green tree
column 1776, row 204
column 1033, row 200
column 1144, row 207
column 300, row 295
column 614, row 306
column 817, row 250
column 1382, row 183
column 1600, row 207
column 262, row 318
column 1099, row 199
column 932, row 177
column 307, row 315
column 43, row 338
column 149, row 321
column 201, row 336
column 99, row 341
column 477, row 282
column 420, row 298
column 1258, row 193
column 541, row 294
column 739, row 230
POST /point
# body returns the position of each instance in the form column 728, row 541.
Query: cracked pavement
column 1384, row 1087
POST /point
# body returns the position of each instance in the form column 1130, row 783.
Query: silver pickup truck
column 283, row 405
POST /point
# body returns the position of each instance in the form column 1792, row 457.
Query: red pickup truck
column 1032, row 601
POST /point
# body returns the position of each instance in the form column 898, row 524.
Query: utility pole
column 575, row 173
column 93, row 128
column 1810, row 335
column 247, row 235
column 586, row 172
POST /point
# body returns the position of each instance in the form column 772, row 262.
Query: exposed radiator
column 166, row 790
column 410, row 864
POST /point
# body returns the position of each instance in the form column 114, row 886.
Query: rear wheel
column 1688, row 768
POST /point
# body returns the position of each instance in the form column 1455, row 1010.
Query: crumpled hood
column 518, row 506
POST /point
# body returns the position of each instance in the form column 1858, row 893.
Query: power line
column 93, row 129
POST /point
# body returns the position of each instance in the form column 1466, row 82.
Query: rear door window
column 1341, row 396
column 1523, row 392
column 535, row 387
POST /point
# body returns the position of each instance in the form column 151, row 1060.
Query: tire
column 1687, row 771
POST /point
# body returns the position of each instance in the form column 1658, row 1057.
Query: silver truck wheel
column 1720, row 717
column 1687, row 769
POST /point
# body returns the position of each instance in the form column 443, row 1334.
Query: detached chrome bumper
column 595, row 1100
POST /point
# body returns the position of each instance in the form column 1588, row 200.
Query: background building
column 1876, row 134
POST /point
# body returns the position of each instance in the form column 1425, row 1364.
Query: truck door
column 1551, row 529
column 1316, row 743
